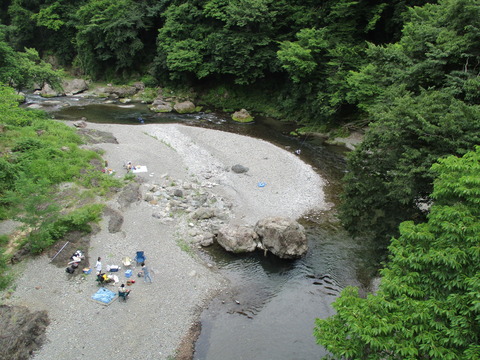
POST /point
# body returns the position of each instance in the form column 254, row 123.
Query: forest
column 405, row 72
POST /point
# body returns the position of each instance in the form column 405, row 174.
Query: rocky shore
column 186, row 174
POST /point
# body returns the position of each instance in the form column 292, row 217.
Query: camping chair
column 140, row 257
column 127, row 262
column 123, row 295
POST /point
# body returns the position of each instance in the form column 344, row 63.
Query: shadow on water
column 270, row 310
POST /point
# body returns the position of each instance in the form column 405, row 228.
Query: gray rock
column 242, row 116
column 139, row 85
column 178, row 193
column 207, row 239
column 48, row 91
column 148, row 197
column 130, row 194
column 283, row 237
column 184, row 107
column 237, row 239
column 80, row 124
column 160, row 105
column 123, row 91
column 116, row 220
column 239, row 169
column 74, row 86
column 203, row 213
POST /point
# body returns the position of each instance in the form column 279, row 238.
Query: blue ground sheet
column 104, row 296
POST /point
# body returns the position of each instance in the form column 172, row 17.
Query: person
column 76, row 258
column 98, row 265
column 103, row 278
column 129, row 167
column 146, row 273
column 124, row 290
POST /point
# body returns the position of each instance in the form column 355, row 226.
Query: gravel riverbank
column 157, row 316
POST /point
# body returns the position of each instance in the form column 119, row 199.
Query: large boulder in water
column 74, row 86
column 242, row 116
column 184, row 107
column 160, row 105
column 48, row 91
column 237, row 239
column 122, row 91
column 283, row 237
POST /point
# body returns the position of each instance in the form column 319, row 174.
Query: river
column 270, row 311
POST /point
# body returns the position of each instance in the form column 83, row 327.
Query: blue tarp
column 104, row 296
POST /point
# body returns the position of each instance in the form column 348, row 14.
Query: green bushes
column 5, row 278
column 77, row 220
column 37, row 156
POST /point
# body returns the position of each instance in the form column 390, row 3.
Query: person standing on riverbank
column 98, row 265
column 146, row 273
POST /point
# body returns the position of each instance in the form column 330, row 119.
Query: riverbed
column 270, row 310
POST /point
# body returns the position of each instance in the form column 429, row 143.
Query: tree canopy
column 421, row 97
column 388, row 178
column 428, row 302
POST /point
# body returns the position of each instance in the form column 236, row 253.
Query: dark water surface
column 270, row 311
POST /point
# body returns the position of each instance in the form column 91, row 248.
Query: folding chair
column 123, row 295
column 140, row 257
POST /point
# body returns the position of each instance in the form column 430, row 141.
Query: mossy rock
column 242, row 116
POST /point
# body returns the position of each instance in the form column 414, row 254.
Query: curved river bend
column 269, row 312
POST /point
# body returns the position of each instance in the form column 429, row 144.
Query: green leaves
column 389, row 179
column 37, row 156
column 110, row 35
column 427, row 305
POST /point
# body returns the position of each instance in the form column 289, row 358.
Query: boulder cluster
column 204, row 218
column 159, row 102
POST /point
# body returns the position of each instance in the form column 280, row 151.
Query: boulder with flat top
column 283, row 237
column 237, row 239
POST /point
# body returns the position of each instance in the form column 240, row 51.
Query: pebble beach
column 157, row 317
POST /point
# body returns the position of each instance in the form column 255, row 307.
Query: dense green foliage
column 422, row 96
column 389, row 178
column 428, row 302
column 23, row 69
column 38, row 155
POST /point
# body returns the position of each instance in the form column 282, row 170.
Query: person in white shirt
column 98, row 265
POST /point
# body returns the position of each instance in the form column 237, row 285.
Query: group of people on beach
column 123, row 291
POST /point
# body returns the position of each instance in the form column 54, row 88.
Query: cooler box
column 128, row 273
column 113, row 268
column 87, row 270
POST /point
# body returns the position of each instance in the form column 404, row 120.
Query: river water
column 270, row 311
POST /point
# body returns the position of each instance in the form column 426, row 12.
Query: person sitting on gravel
column 129, row 166
column 123, row 291
column 103, row 278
